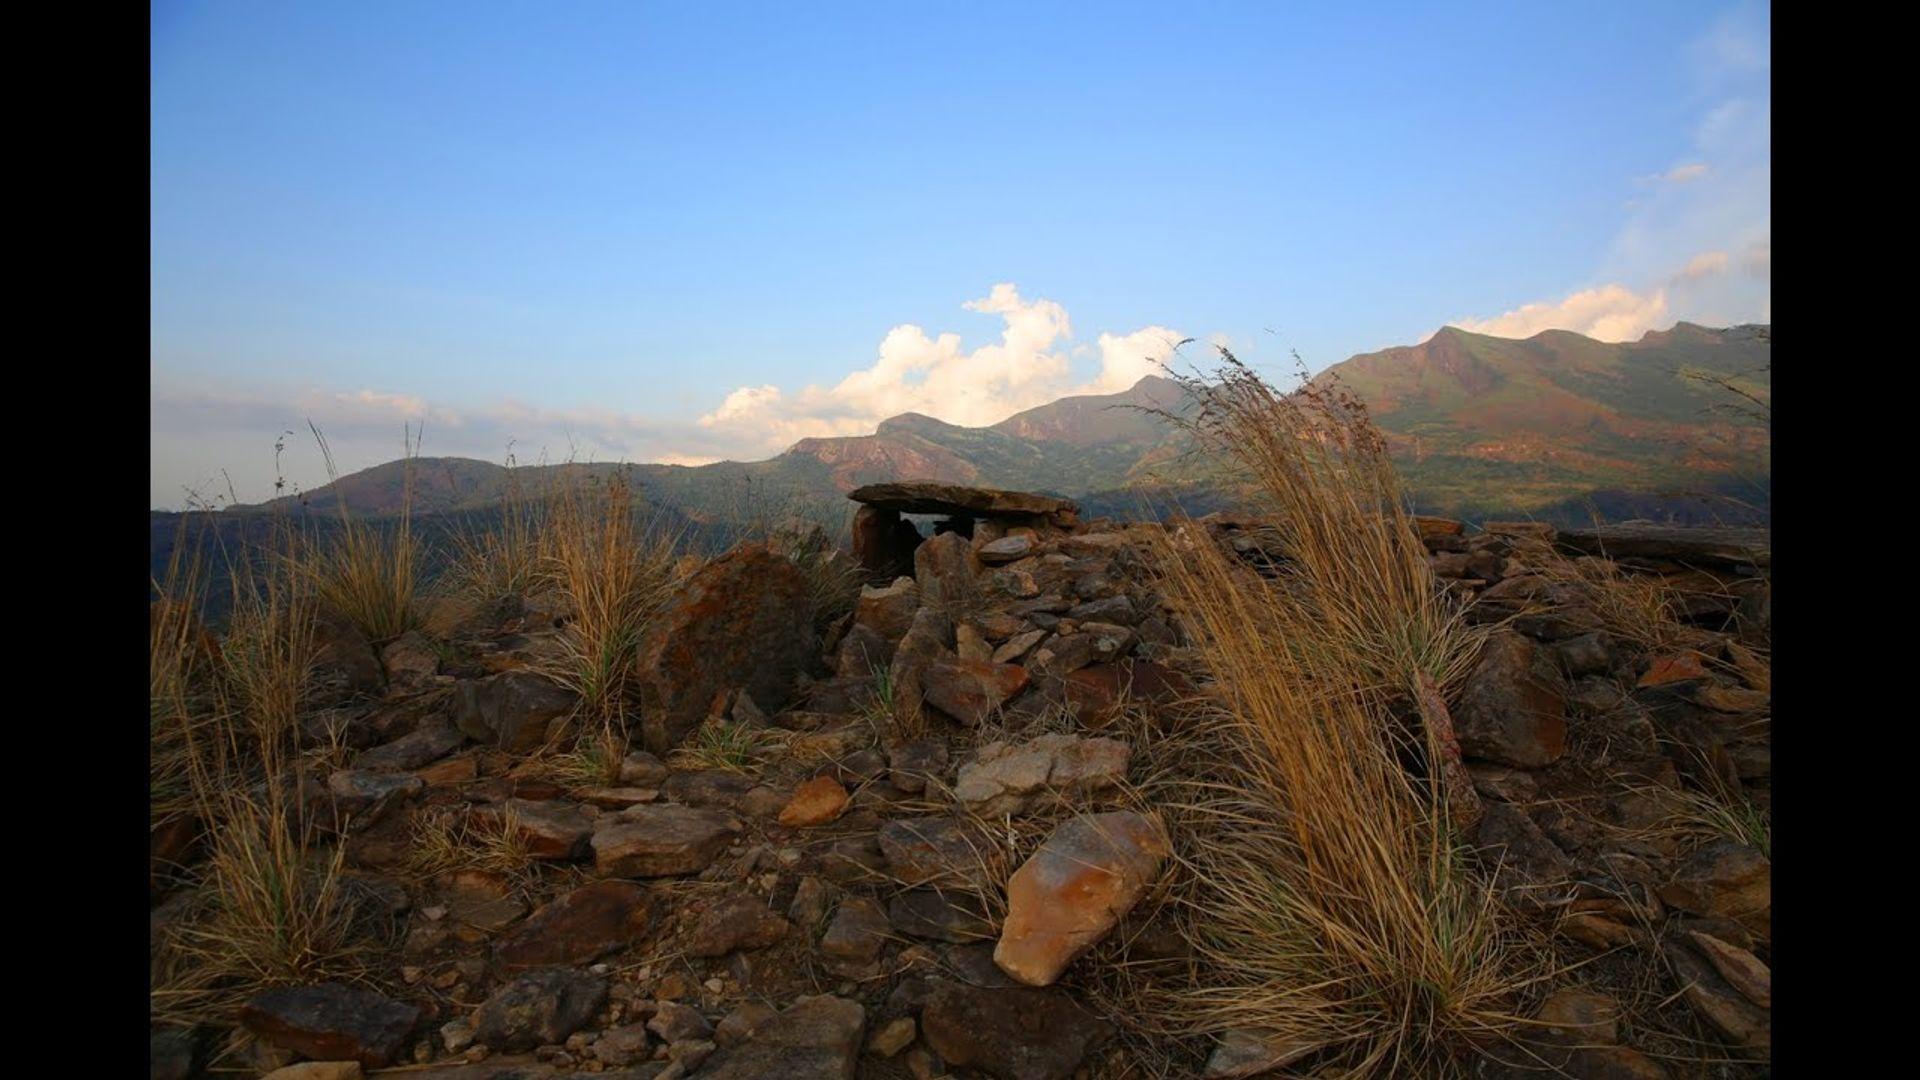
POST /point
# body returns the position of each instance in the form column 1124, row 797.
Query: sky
column 699, row 231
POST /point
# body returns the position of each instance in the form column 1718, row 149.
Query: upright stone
column 1074, row 889
column 741, row 621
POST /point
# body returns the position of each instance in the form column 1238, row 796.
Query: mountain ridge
column 1471, row 419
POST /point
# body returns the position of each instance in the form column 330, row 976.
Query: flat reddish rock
column 1680, row 667
column 578, row 928
column 332, row 1021
column 969, row 690
column 1074, row 889
column 815, row 802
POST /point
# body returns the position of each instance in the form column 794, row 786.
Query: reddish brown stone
column 578, row 928
column 970, row 690
column 331, row 1021
column 741, row 621
column 1671, row 669
column 816, row 802
column 1075, row 888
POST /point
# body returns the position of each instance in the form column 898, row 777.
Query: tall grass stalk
column 1325, row 898
column 616, row 572
column 1314, row 462
column 367, row 573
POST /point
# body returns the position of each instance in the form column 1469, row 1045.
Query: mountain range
column 1552, row 427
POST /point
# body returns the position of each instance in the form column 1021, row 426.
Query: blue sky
column 688, row 231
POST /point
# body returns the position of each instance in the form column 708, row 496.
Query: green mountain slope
column 1478, row 425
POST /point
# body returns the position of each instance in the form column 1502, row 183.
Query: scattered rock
column 1243, row 1053
column 642, row 769
column 675, row 1022
column 852, row 944
column 945, row 567
column 815, row 802
column 515, row 711
column 1741, row 969
column 1014, row 1033
column 1007, row 779
column 578, row 928
column 970, row 690
column 741, row 621
column 938, row 916
column 425, row 744
column 661, row 841
column 911, row 765
column 892, row 1037
column 1074, row 889
column 622, row 1046
column 737, row 922
column 332, row 1021
column 1512, row 709
column 930, row 851
column 1005, row 550
column 552, row 830
column 318, row 1070
column 539, row 1008
column 1725, row 880
column 815, row 1038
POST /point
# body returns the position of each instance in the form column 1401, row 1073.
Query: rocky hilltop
column 909, row 842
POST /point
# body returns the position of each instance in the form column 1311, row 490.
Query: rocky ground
column 780, row 880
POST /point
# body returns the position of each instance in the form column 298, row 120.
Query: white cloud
column 1607, row 313
column 1704, row 265
column 936, row 377
column 1672, row 258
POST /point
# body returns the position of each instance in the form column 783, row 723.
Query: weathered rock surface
column 539, row 1008
column 931, row 851
column 741, row 621
column 1010, row 779
column 945, row 566
column 737, row 922
column 424, row 745
column 332, row 1021
column 1073, row 890
column 661, row 841
column 1512, row 709
column 970, row 690
column 854, row 939
column 515, row 711
column 580, row 927
column 815, row 1038
column 815, row 802
column 1013, row 1033
column 1244, row 1053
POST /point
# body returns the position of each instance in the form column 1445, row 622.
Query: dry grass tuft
column 617, row 572
column 1323, row 894
column 271, row 906
column 449, row 840
column 508, row 559
column 1635, row 608
column 730, row 745
column 1318, row 468
column 366, row 572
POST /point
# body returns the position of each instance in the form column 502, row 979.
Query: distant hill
column 1549, row 427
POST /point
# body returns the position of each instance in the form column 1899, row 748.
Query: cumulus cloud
column 194, row 425
column 1607, row 313
column 935, row 376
